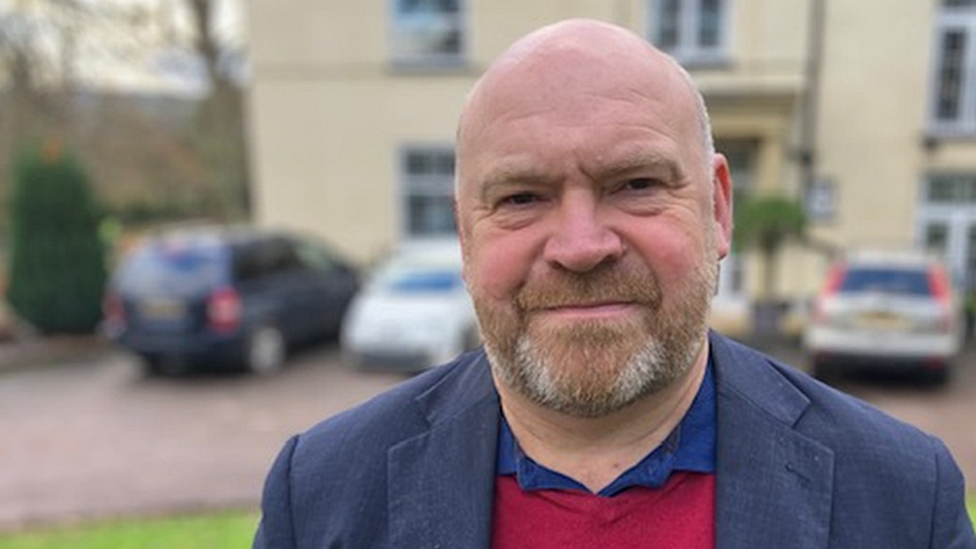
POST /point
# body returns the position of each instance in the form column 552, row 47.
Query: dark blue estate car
column 216, row 296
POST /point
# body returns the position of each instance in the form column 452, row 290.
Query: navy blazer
column 800, row 465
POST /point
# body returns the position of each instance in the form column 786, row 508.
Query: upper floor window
column 693, row 31
column 427, row 32
column 951, row 189
column 427, row 183
column 952, row 109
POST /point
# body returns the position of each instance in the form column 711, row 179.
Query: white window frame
column 947, row 20
column 410, row 186
column 688, row 50
column 957, row 214
column 429, row 60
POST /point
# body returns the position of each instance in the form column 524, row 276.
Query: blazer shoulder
column 337, row 472
column 796, row 398
column 880, row 458
column 399, row 413
column 844, row 423
column 872, row 466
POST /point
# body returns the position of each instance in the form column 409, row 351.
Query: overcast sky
column 151, row 53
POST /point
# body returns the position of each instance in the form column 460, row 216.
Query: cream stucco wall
column 330, row 113
column 874, row 92
column 328, row 153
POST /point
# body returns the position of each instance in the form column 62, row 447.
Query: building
column 864, row 110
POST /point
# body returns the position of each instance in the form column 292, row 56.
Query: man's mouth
column 607, row 310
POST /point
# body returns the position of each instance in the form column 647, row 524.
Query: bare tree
column 57, row 59
column 221, row 118
column 27, row 64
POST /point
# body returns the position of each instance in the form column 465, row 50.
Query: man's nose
column 581, row 240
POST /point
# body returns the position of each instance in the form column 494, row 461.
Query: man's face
column 587, row 212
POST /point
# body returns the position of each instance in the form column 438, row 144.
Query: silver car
column 414, row 312
column 885, row 310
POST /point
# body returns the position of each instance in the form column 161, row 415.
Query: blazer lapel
column 773, row 484
column 441, row 483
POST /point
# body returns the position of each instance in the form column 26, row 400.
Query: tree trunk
column 767, row 309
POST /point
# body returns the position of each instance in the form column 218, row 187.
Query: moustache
column 607, row 285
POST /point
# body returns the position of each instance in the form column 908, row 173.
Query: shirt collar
column 690, row 447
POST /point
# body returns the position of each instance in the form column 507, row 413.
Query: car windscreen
column 162, row 269
column 402, row 277
column 910, row 282
column 425, row 281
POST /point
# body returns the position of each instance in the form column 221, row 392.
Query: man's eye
column 520, row 199
column 639, row 184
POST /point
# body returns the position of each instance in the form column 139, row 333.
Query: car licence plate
column 883, row 321
column 162, row 309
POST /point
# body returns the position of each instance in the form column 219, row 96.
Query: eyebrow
column 634, row 162
column 528, row 174
column 512, row 174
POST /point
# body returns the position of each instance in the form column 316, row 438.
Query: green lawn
column 971, row 504
column 230, row 530
column 227, row 530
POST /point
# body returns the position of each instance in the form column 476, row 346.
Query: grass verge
column 224, row 530
column 971, row 504
column 227, row 530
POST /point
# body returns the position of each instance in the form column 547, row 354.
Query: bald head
column 576, row 56
column 583, row 156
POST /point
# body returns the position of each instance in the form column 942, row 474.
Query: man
column 592, row 213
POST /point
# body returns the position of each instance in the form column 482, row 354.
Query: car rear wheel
column 937, row 377
column 265, row 351
column 823, row 370
column 161, row 365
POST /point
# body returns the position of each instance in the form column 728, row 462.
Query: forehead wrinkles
column 570, row 74
column 545, row 65
column 553, row 83
column 629, row 130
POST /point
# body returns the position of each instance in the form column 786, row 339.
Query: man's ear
column 722, row 204
column 462, row 236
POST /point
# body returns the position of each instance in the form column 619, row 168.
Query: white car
column 886, row 310
column 414, row 312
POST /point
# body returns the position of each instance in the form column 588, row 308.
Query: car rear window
column 890, row 281
column 171, row 269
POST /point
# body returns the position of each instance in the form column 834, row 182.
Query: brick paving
column 95, row 438
column 85, row 435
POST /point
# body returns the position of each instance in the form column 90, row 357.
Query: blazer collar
column 773, row 484
column 441, row 482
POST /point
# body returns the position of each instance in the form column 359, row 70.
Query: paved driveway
column 94, row 438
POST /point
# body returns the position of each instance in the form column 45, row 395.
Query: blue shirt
column 690, row 447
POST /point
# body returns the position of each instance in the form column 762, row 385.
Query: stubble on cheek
column 588, row 368
column 505, row 320
column 579, row 359
column 581, row 362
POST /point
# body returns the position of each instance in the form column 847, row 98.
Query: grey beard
column 654, row 367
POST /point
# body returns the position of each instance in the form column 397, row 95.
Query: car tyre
column 265, row 350
column 939, row 377
column 152, row 365
column 162, row 365
column 823, row 371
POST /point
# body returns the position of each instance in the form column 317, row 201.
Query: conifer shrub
column 56, row 264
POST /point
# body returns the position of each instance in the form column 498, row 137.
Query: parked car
column 886, row 310
column 414, row 312
column 220, row 296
